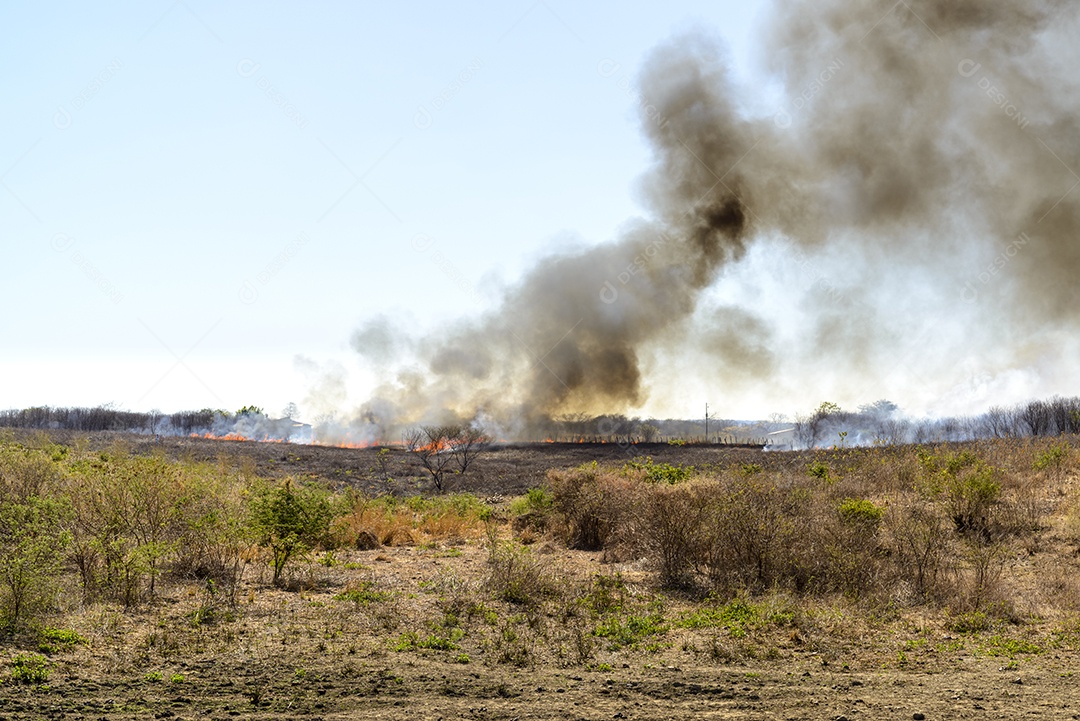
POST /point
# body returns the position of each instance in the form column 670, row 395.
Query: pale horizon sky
column 194, row 195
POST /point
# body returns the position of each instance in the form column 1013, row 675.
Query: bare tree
column 439, row 448
column 1000, row 422
column 1038, row 417
column 431, row 445
column 466, row 444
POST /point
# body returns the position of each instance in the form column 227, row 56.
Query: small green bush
column 30, row 668
column 860, row 512
column 817, row 469
column 1052, row 458
column 536, row 500
column 290, row 519
column 58, row 639
column 412, row 641
column 659, row 472
column 738, row 616
column 632, row 629
column 362, row 594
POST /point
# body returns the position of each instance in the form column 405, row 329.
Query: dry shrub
column 743, row 530
column 749, row 539
column 595, row 506
column 919, row 535
column 979, row 587
column 516, row 575
column 673, row 523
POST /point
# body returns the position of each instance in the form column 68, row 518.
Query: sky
column 200, row 202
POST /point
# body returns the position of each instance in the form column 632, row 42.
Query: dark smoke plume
column 924, row 152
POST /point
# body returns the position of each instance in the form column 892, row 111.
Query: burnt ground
column 505, row 468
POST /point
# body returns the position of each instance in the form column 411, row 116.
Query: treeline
column 104, row 418
column 882, row 423
column 248, row 422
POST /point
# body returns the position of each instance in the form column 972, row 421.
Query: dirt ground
column 305, row 654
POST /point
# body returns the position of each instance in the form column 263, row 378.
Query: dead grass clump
column 518, row 576
column 394, row 521
column 595, row 505
column 919, row 539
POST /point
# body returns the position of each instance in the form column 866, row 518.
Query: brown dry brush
column 899, row 525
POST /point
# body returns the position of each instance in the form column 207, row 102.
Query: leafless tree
column 466, row 444
column 430, row 446
column 1001, row 422
column 1038, row 417
column 439, row 448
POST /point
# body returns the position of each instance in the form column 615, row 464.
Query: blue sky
column 201, row 203
column 196, row 194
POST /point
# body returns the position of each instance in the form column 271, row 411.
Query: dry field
column 867, row 583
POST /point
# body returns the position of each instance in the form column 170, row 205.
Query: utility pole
column 706, row 422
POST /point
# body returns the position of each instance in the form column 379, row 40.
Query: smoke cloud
column 921, row 171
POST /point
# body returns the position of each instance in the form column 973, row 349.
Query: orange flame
column 226, row 437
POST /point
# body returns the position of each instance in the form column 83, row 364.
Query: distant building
column 782, row 440
column 293, row 431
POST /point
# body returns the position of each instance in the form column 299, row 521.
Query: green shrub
column 411, row 641
column 659, row 472
column 860, row 512
column 631, row 629
column 290, row 519
column 817, row 469
column 30, row 668
column 971, row 497
column 52, row 640
column 33, row 539
column 738, row 616
column 535, row 500
column 1052, row 458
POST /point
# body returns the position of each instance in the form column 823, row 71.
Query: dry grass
column 402, row 522
column 787, row 562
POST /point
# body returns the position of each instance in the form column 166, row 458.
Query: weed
column 411, row 641
column 58, row 639
column 972, row 622
column 860, row 512
column 30, row 668
column 517, row 576
column 737, row 616
column 362, row 593
column 1009, row 647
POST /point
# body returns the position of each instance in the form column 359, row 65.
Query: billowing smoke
column 924, row 154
